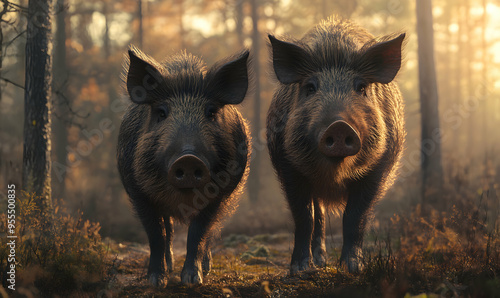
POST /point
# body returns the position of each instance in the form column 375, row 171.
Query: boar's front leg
column 198, row 233
column 301, row 205
column 318, row 246
column 169, row 233
column 353, row 227
column 153, row 225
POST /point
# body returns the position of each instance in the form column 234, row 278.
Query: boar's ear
column 228, row 84
column 381, row 62
column 288, row 61
column 143, row 77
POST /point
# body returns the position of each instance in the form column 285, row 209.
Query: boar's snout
column 188, row 171
column 339, row 140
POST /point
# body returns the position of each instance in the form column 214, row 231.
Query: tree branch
column 66, row 102
column 17, row 7
column 13, row 83
column 7, row 44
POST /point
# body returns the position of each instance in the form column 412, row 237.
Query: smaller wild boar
column 183, row 152
column 335, row 131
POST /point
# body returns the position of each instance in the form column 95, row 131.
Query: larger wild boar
column 183, row 152
column 335, row 131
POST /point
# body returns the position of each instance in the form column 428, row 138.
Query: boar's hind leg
column 353, row 227
column 196, row 244
column 301, row 205
column 169, row 254
column 153, row 225
column 318, row 246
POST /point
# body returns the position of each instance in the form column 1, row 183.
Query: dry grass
column 445, row 254
column 59, row 254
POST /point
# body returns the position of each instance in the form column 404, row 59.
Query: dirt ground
column 258, row 266
column 242, row 267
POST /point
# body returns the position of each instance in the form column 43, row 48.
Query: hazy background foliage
column 89, row 90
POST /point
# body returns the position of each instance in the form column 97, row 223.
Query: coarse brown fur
column 336, row 45
column 185, row 95
column 182, row 108
column 337, row 71
column 156, row 187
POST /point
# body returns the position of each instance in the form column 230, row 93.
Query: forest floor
column 242, row 266
column 452, row 253
column 258, row 267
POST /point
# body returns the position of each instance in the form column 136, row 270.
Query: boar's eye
column 210, row 111
column 311, row 87
column 360, row 86
column 162, row 113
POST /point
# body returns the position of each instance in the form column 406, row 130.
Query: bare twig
column 13, row 83
column 66, row 102
column 5, row 8
column 69, row 122
column 17, row 7
column 7, row 44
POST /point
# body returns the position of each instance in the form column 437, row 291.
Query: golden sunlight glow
column 453, row 28
column 493, row 30
column 208, row 24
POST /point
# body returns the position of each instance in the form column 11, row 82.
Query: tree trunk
column 469, row 57
column 37, row 104
column 445, row 83
column 486, row 121
column 182, row 32
column 140, row 33
column 239, row 22
column 106, row 42
column 254, row 179
column 2, row 13
column 458, row 76
column 113, row 181
column 472, row 125
column 432, row 176
column 59, row 125
column 1, row 54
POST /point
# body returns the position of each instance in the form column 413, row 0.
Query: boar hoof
column 351, row 258
column 353, row 264
column 170, row 264
column 156, row 279
column 207, row 263
column 191, row 276
column 170, row 268
column 299, row 266
column 319, row 258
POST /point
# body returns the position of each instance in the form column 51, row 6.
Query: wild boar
column 183, row 152
column 335, row 131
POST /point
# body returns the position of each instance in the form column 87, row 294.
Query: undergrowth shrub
column 55, row 253
column 451, row 252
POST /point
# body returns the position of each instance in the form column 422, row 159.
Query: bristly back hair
column 337, row 42
column 184, row 62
